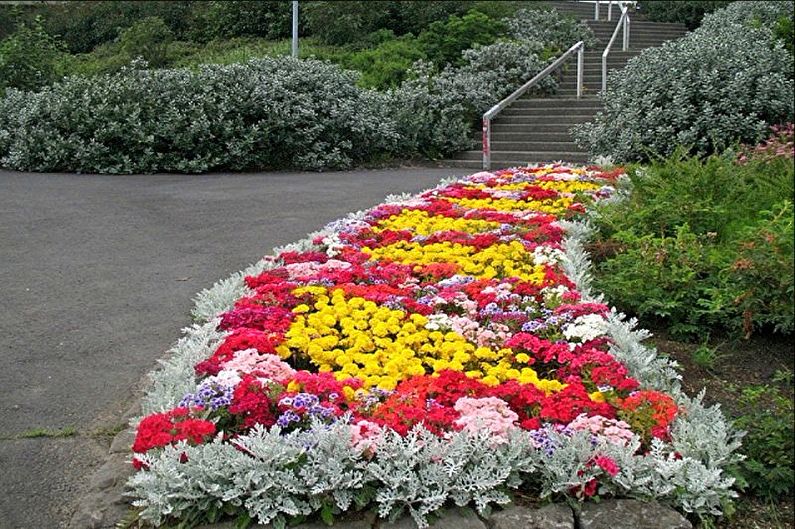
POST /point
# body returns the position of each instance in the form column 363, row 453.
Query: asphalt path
column 97, row 274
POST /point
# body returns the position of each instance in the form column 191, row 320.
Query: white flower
column 585, row 328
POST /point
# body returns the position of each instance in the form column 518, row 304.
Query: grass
column 67, row 431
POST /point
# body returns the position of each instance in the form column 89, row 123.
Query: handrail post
column 486, row 142
column 596, row 10
column 580, row 59
column 610, row 11
column 626, row 32
column 604, row 72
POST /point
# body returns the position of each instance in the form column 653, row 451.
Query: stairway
column 536, row 129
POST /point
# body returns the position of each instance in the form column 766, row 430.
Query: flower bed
column 437, row 348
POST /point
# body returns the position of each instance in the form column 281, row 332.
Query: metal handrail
column 597, row 3
column 623, row 22
column 499, row 107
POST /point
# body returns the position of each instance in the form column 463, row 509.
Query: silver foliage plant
column 274, row 476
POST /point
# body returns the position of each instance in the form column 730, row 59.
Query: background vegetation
column 420, row 94
column 727, row 81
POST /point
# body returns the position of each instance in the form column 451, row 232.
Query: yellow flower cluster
column 354, row 337
column 421, row 223
column 499, row 260
column 553, row 206
column 568, row 186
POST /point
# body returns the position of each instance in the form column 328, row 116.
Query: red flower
column 162, row 429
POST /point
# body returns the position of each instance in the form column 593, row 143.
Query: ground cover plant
column 444, row 347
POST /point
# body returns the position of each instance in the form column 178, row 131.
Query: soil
column 737, row 364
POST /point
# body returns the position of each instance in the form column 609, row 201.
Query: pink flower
column 616, row 432
column 607, row 464
column 488, row 413
column 365, row 436
column 266, row 365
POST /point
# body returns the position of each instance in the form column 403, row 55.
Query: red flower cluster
column 162, row 429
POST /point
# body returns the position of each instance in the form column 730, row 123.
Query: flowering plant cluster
column 449, row 312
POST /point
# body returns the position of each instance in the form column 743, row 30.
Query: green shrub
column 268, row 113
column 243, row 18
column 149, row 39
column 85, row 25
column 724, row 82
column 29, row 58
column 443, row 42
column 768, row 416
column 386, row 65
column 660, row 277
column 699, row 243
column 346, row 21
column 688, row 12
column 757, row 283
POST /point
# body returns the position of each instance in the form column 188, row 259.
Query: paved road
column 96, row 279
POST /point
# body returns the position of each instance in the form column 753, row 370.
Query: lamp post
column 295, row 29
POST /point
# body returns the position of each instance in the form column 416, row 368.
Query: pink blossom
column 365, row 436
column 615, row 432
column 267, row 365
column 607, row 464
column 488, row 413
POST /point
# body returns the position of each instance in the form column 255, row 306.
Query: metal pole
column 596, row 10
column 626, row 32
column 295, row 29
column 610, row 11
column 486, row 143
column 604, row 73
column 580, row 57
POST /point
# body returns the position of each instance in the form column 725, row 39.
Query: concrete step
column 643, row 25
column 535, row 113
column 523, row 103
column 531, row 135
column 564, row 116
column 532, row 146
column 495, row 165
column 523, row 156
column 498, row 128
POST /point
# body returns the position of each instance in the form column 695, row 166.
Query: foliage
column 346, row 21
column 689, row 12
column 768, row 416
column 757, row 284
column 659, row 276
column 85, row 25
column 148, row 39
column 270, row 19
column 443, row 42
column 550, row 28
column 387, row 64
column 435, row 112
column 726, row 81
column 702, row 242
column 29, row 58
column 263, row 114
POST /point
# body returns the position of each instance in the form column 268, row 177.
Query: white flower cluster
column 547, row 255
column 585, row 328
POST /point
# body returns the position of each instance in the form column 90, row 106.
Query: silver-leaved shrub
column 266, row 113
column 436, row 111
column 727, row 81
